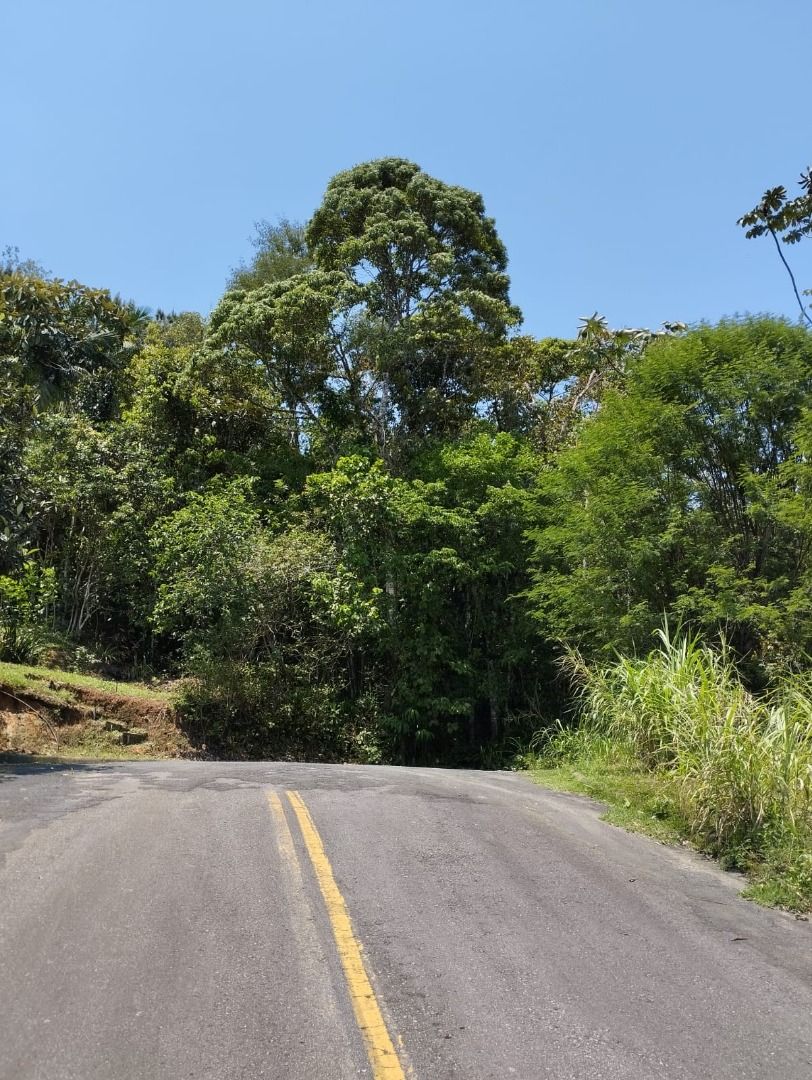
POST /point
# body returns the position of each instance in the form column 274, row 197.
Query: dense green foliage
column 362, row 513
column 686, row 494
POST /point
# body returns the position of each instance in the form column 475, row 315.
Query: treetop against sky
column 614, row 144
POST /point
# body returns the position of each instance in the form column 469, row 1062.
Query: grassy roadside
column 635, row 800
column 30, row 677
column 679, row 749
column 779, row 869
column 47, row 712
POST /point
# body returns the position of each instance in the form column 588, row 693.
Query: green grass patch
column 85, row 743
column 779, row 868
column 36, row 679
column 635, row 800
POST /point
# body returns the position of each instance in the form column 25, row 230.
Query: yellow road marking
column 382, row 1055
column 322, row 1001
column 284, row 837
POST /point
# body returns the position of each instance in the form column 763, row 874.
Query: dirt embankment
column 50, row 716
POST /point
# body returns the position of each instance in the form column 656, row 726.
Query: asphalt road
column 176, row 920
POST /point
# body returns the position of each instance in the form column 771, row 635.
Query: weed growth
column 735, row 769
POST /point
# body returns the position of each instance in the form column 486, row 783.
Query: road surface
column 214, row 921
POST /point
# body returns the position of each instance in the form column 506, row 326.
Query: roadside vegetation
column 31, row 677
column 356, row 514
column 49, row 713
column 680, row 748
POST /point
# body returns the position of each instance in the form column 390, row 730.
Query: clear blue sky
column 614, row 141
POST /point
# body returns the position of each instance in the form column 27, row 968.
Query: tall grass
column 740, row 766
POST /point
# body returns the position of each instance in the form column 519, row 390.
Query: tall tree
column 393, row 337
column 66, row 338
column 60, row 344
column 786, row 220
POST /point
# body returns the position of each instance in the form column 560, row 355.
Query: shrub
column 25, row 601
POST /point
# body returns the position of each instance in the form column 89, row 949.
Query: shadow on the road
column 13, row 765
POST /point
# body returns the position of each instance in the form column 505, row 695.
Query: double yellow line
column 383, row 1057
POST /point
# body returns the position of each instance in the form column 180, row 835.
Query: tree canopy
column 396, row 334
column 362, row 513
